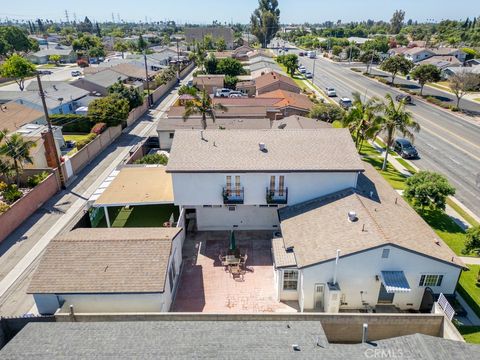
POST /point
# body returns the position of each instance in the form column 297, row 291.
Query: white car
column 236, row 94
column 302, row 70
column 309, row 75
column 330, row 92
column 223, row 92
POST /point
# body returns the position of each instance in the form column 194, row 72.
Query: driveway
column 206, row 287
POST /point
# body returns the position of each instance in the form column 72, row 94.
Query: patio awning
column 395, row 281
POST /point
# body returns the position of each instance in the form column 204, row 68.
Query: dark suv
column 407, row 99
column 405, row 149
column 345, row 103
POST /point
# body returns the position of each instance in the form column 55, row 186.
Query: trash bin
column 408, row 77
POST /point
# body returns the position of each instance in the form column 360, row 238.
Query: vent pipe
column 352, row 216
column 335, row 269
column 262, row 146
column 364, row 333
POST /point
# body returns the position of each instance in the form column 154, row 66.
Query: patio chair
column 236, row 271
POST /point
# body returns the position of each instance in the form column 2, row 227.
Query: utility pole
column 149, row 100
column 50, row 130
column 178, row 60
column 66, row 16
column 313, row 72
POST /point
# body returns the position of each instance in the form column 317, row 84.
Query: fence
column 24, row 207
column 446, row 307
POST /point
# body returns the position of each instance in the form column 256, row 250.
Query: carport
column 134, row 186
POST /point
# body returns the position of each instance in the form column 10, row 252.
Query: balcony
column 278, row 197
column 233, row 196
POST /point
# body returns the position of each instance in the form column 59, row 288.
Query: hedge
column 73, row 123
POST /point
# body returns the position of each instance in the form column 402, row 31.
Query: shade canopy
column 395, row 282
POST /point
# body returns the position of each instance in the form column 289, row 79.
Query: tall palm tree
column 202, row 105
column 199, row 56
column 18, row 149
column 395, row 119
column 361, row 118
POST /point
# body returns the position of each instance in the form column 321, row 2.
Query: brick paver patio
column 205, row 286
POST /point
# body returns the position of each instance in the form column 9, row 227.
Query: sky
column 205, row 11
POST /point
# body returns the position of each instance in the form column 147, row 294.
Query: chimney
column 49, row 144
column 262, row 146
column 364, row 333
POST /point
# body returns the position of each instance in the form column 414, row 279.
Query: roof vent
column 262, row 146
column 437, row 241
column 296, row 347
column 352, row 216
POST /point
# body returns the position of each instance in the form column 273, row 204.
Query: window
column 431, row 280
column 237, row 185
column 281, row 185
column 385, row 253
column 290, row 279
column 171, row 135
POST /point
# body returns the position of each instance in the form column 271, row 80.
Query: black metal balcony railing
column 277, row 196
column 233, row 195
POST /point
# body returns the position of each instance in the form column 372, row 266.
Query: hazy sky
column 205, row 11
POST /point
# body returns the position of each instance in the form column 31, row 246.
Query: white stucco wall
column 245, row 217
column 356, row 273
column 191, row 189
column 165, row 140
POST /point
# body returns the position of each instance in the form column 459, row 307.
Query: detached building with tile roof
column 109, row 270
column 272, row 81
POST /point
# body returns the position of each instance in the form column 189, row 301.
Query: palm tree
column 17, row 148
column 202, row 105
column 199, row 56
column 361, row 118
column 395, row 118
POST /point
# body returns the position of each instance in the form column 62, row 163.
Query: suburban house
column 66, row 53
column 447, row 51
column 241, row 52
column 238, row 179
column 209, row 83
column 290, row 103
column 449, row 71
column 197, row 34
column 441, row 62
column 272, row 81
column 13, row 116
column 359, row 248
column 109, row 270
column 247, row 87
column 258, row 111
column 300, row 122
column 417, row 54
column 263, row 67
column 99, row 82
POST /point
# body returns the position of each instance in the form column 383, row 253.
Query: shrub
column 72, row 123
column 3, row 186
column 11, row 194
column 152, row 159
column 36, row 179
column 98, row 128
column 82, row 143
column 3, row 207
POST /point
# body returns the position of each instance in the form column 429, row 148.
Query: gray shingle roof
column 116, row 260
column 170, row 124
column 286, row 150
column 105, row 78
column 221, row 339
column 281, row 257
column 317, row 228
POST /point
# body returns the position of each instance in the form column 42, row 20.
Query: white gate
column 445, row 305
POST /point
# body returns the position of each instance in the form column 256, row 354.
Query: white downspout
column 105, row 209
column 335, row 269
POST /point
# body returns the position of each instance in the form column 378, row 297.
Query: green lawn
column 471, row 334
column 462, row 212
column 140, row 216
column 75, row 137
column 394, row 178
column 476, row 99
column 406, row 165
column 468, row 288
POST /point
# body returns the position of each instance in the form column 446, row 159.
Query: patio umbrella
column 233, row 246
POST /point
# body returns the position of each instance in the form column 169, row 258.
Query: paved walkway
column 470, row 260
column 20, row 251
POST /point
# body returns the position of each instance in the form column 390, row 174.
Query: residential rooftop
column 115, row 260
column 300, row 122
column 289, row 99
column 317, row 228
column 285, row 150
column 13, row 116
column 272, row 78
column 194, row 123
column 206, row 339
column 105, row 78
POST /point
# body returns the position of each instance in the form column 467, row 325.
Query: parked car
column 302, row 69
column 345, row 103
column 407, row 99
column 45, row 72
column 405, row 149
column 76, row 73
column 223, row 92
column 308, row 75
column 236, row 94
column 312, row 54
column 301, row 53
column 330, row 92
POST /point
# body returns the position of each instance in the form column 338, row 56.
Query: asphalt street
column 447, row 143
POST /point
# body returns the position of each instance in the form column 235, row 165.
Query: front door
column 319, row 295
column 384, row 297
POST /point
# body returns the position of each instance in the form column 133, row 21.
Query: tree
column 426, row 73
column 153, row 159
column 461, row 83
column 121, row 46
column 15, row 40
column 141, row 44
column 353, row 52
column 18, row 68
column 428, row 189
column 379, row 44
column 202, row 105
column 473, row 240
column 132, row 95
column 221, row 45
column 187, row 90
column 231, row 67
column 199, row 56
column 395, row 119
column 337, row 50
column 54, row 59
column 362, row 117
column 16, row 148
column 211, row 64
column 396, row 23
column 111, row 110
column 326, row 112
column 397, row 64
column 265, row 21
column 231, row 82
column 369, row 57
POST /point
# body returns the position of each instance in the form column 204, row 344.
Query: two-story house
column 239, row 179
